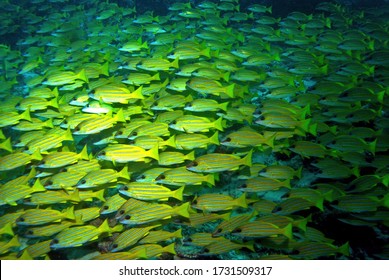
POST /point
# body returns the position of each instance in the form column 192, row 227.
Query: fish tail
column 372, row 146
column 218, row 124
column 68, row 135
column 138, row 93
column 48, row 123
column 7, row 229
column 156, row 77
column 153, row 152
column 286, row 184
column 170, row 249
column 215, row 138
column 247, row 159
column 344, row 249
column 287, row 231
column 25, row 115
column 55, row 92
column 305, row 125
column 223, row 106
column 104, row 227
column 69, row 213
column 226, row 76
column 190, row 156
column 178, row 194
column 36, row 155
column 105, row 69
column 241, row 201
column 270, row 140
column 298, row 172
column 124, row 173
column 175, row 64
column 250, row 246
column 178, row 233
column 84, row 153
column 75, row 196
column 319, row 203
column 182, row 210
column 100, row 195
column 82, row 76
column 120, row 116
column 229, row 90
column 210, row 179
column 6, row 145
column 54, row 103
column 206, row 52
column 38, row 187
column 171, row 142
column 15, row 242
column 380, row 96
column 324, row 69
column 385, row 181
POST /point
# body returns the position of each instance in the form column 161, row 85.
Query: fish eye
column 65, row 122
column 115, row 246
column 238, row 230
column 26, row 148
column 228, row 140
column 287, row 195
column 119, row 133
column 83, row 181
column 127, row 217
column 21, row 219
column 27, row 200
column 43, row 162
column 194, row 163
column 106, row 207
column 143, row 177
column 350, row 116
column 188, row 104
column 194, row 202
column 277, row 209
column 125, row 188
column 134, row 133
column 156, row 103
column 54, row 241
column 92, row 91
column 243, row 186
column 74, row 98
column 206, row 250
column 48, row 183
column 131, row 142
column 121, row 212
column 335, row 202
column 262, row 117
column 30, row 232
column 219, row 230
column 189, row 239
column 102, row 153
column 161, row 177
column 76, row 129
column 174, row 122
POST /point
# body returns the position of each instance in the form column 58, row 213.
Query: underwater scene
column 223, row 130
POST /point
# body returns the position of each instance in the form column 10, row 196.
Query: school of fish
column 212, row 132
